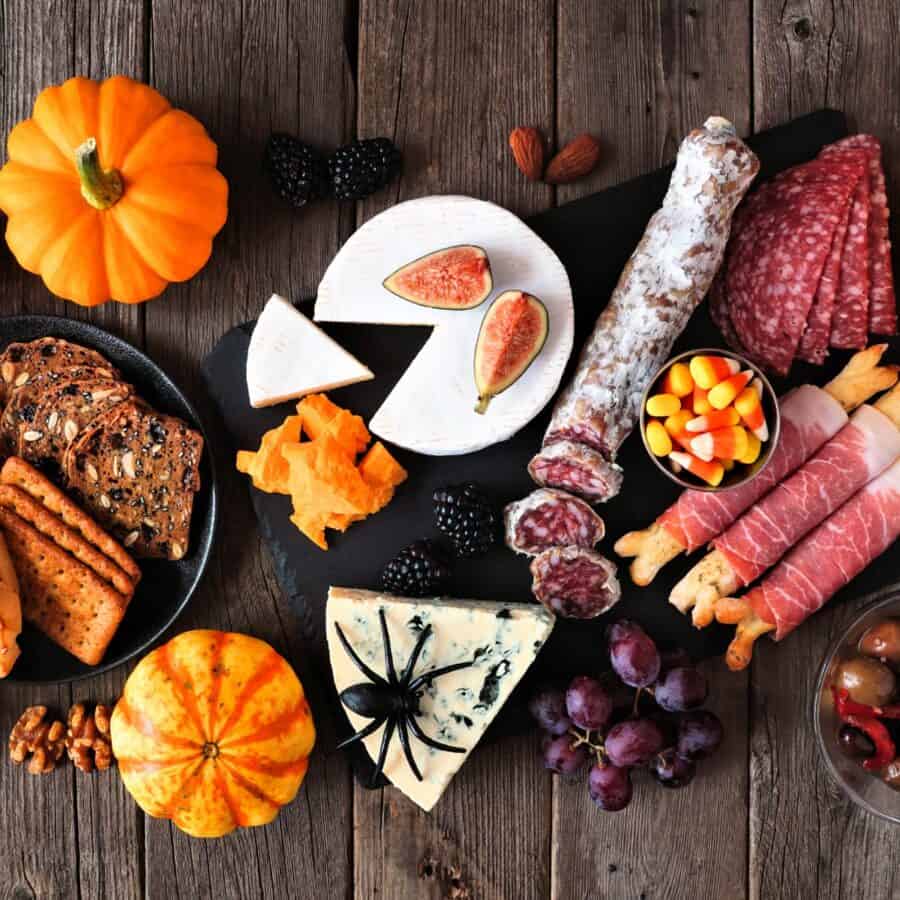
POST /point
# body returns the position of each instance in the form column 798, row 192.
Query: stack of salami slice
column 808, row 265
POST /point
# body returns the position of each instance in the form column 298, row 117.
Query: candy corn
column 708, row 371
column 754, row 447
column 700, row 401
column 678, row 380
column 658, row 439
column 663, row 405
column 675, row 426
column 727, row 464
column 710, row 472
column 749, row 406
column 724, row 392
column 724, row 443
column 717, row 418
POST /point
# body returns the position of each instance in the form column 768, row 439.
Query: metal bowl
column 863, row 788
column 740, row 474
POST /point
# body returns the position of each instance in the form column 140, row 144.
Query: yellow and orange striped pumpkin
column 213, row 731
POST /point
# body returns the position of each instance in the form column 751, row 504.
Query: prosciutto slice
column 809, row 417
column 859, row 452
column 829, row 557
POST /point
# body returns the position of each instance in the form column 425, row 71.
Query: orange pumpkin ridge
column 177, row 798
column 267, row 766
column 142, row 766
column 263, row 675
column 181, row 687
column 251, row 788
column 144, row 725
column 273, row 729
column 232, row 807
column 215, row 663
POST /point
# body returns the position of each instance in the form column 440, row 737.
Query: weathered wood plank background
column 448, row 80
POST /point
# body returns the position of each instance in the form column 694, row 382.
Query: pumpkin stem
column 101, row 189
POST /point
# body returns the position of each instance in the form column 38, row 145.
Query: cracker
column 61, row 596
column 18, row 472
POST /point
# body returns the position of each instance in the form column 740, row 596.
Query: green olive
column 883, row 642
column 867, row 680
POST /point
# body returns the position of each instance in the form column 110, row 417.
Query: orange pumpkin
column 110, row 192
column 213, row 732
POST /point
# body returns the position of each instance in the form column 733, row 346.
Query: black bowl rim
column 204, row 550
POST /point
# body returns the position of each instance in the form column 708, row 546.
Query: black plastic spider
column 394, row 700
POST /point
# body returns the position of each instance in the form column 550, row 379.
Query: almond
column 578, row 158
column 527, row 147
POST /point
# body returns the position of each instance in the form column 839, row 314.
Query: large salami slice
column 575, row 582
column 882, row 300
column 661, row 285
column 550, row 518
column 859, row 452
column 578, row 469
column 831, row 555
column 809, row 417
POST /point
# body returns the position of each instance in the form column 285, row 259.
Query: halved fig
column 512, row 334
column 452, row 278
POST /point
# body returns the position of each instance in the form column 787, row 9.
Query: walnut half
column 87, row 738
column 33, row 734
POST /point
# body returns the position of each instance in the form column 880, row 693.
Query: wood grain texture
column 805, row 838
column 639, row 76
column 449, row 85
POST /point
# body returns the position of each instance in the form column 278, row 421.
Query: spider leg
column 382, row 751
column 373, row 726
column 388, row 655
column 435, row 673
column 407, row 750
column 414, row 656
column 369, row 673
column 416, row 729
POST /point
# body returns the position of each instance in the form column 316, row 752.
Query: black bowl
column 165, row 587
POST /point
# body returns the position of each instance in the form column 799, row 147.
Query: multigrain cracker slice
column 52, row 527
column 18, row 472
column 61, row 596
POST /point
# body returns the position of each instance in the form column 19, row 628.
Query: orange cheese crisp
column 327, row 487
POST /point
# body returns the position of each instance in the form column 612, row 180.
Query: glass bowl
column 740, row 474
column 864, row 789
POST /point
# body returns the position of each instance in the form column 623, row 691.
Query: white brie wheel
column 431, row 410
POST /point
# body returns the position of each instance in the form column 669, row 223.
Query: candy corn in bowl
column 709, row 420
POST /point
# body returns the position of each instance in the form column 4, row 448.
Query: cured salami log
column 551, row 518
column 861, row 450
column 829, row 557
column 809, row 417
column 663, row 282
column 575, row 582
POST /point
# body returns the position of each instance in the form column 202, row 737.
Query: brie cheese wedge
column 456, row 708
column 290, row 357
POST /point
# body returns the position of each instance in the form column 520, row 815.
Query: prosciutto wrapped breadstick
column 809, row 417
column 660, row 287
column 867, row 445
column 817, row 568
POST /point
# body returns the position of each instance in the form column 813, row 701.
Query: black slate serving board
column 593, row 237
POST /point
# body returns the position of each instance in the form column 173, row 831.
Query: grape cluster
column 584, row 724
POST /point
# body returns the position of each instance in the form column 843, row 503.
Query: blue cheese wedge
column 290, row 357
column 502, row 639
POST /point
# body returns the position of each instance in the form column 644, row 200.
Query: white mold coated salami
column 551, row 518
column 663, row 282
column 575, row 582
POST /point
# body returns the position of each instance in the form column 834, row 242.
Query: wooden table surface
column 447, row 81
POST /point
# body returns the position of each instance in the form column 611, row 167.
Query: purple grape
column 610, row 787
column 548, row 707
column 681, row 688
column 588, row 703
column 560, row 756
column 699, row 734
column 634, row 657
column 633, row 742
column 671, row 659
column 672, row 770
column 622, row 628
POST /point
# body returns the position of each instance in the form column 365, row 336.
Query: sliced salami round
column 578, row 469
column 550, row 518
column 575, row 582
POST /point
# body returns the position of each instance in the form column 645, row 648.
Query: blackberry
column 418, row 570
column 298, row 173
column 467, row 517
column 363, row 167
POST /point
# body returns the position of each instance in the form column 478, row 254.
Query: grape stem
column 595, row 746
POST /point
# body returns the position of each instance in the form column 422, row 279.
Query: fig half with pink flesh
column 452, row 278
column 512, row 334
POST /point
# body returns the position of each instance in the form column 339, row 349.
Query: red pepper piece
column 847, row 707
column 884, row 745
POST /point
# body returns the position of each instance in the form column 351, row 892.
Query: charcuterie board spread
column 481, row 458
